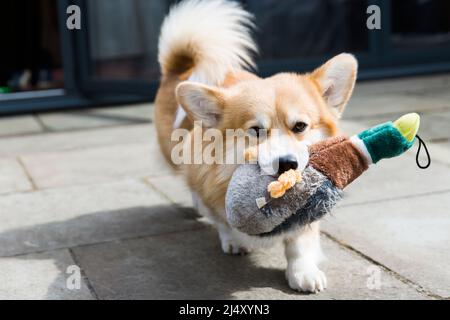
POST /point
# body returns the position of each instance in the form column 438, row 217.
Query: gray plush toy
column 266, row 216
column 333, row 164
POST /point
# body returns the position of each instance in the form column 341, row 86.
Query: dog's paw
column 231, row 244
column 307, row 279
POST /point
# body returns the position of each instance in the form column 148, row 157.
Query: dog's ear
column 336, row 80
column 201, row 102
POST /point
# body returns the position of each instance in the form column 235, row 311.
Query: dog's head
column 292, row 110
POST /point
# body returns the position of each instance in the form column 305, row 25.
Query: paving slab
column 85, row 119
column 433, row 126
column 66, row 217
column 96, row 165
column 75, row 140
column 143, row 112
column 350, row 127
column 410, row 236
column 41, row 276
column 13, row 177
column 404, row 84
column 440, row 151
column 397, row 178
column 438, row 92
column 370, row 105
column 174, row 188
column 190, row 265
column 19, row 125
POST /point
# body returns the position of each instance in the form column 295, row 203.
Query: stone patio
column 89, row 189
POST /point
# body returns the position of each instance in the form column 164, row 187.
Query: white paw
column 231, row 245
column 307, row 279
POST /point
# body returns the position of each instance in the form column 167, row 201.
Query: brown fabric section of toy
column 339, row 160
column 325, row 144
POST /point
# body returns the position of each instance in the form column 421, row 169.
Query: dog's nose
column 287, row 163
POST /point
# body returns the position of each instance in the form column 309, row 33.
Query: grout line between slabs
column 105, row 116
column 177, row 206
column 83, row 274
column 390, row 271
column 44, row 127
column 431, row 111
column 77, row 246
column 74, row 130
column 34, row 187
column 413, row 196
column 81, row 185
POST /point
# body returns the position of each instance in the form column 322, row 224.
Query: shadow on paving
column 171, row 264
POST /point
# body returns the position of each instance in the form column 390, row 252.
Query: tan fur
column 209, row 43
column 246, row 96
column 166, row 107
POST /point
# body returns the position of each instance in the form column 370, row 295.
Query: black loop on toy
column 421, row 142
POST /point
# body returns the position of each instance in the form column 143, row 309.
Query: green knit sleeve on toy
column 391, row 139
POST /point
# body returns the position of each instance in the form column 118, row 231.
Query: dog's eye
column 254, row 131
column 299, row 127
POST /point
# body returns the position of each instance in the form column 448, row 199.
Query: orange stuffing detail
column 287, row 180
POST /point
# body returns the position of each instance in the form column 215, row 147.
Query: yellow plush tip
column 408, row 125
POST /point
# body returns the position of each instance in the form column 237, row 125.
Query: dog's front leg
column 233, row 241
column 303, row 253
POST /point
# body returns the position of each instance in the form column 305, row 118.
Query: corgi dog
column 205, row 52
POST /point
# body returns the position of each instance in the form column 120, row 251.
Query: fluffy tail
column 209, row 37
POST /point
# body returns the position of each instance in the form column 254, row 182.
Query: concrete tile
column 351, row 127
column 370, row 105
column 74, row 120
column 439, row 152
column 174, row 188
column 66, row 217
column 410, row 236
column 399, row 177
column 138, row 112
column 441, row 93
column 64, row 141
column 190, row 265
column 39, row 277
column 97, row 165
column 12, row 177
column 404, row 85
column 433, row 126
column 18, row 125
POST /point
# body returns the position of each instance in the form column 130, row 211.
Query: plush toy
column 259, row 204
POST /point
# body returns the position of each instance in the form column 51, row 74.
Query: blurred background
column 113, row 58
column 83, row 183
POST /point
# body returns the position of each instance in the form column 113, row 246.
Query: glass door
column 420, row 30
column 31, row 63
column 119, row 46
column 298, row 35
column 113, row 58
column 120, row 43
